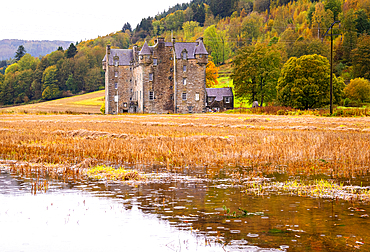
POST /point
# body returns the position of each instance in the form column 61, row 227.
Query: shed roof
column 219, row 93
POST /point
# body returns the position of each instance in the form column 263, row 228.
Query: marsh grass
column 113, row 174
column 317, row 188
column 337, row 147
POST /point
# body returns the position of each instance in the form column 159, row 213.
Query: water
column 176, row 212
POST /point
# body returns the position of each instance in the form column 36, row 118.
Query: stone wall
column 193, row 86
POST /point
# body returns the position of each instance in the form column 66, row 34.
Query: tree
column 71, row 85
column 307, row 47
column 28, row 62
column 304, row 83
column 255, row 72
column 362, row 22
column 211, row 74
column 222, row 8
column 189, row 29
column 350, row 35
column 217, row 44
column 361, row 57
column 50, row 82
column 126, row 27
column 19, row 53
column 358, row 90
column 199, row 13
column 335, row 6
column 71, row 51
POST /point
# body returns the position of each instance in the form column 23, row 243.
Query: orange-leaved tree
column 211, row 75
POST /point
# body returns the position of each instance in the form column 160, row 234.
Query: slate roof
column 146, row 50
column 126, row 56
column 219, row 93
column 189, row 47
column 201, row 49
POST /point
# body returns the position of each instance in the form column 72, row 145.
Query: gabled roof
column 146, row 50
column 188, row 46
column 125, row 57
column 219, row 93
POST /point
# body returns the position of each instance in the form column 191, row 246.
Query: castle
column 169, row 77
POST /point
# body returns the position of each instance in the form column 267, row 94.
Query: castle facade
column 169, row 77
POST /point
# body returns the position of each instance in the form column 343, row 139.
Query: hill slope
column 36, row 48
column 86, row 103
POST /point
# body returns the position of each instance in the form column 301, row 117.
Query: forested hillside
column 270, row 35
column 35, row 48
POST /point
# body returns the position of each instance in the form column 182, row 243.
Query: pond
column 174, row 211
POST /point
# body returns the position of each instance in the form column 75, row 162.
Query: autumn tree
column 211, row 74
column 50, row 83
column 255, row 72
column 358, row 90
column 361, row 57
column 304, row 83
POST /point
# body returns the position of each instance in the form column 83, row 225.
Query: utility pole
column 331, row 62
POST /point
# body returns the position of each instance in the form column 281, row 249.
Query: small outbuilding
column 219, row 99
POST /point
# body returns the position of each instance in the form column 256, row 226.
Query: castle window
column 150, row 76
column 197, row 96
column 184, row 55
column 115, row 74
column 116, row 98
column 116, row 62
column 151, row 95
column 155, row 62
column 200, row 55
column 116, row 85
column 184, row 81
column 227, row 99
column 184, row 68
column 184, row 96
column 171, row 69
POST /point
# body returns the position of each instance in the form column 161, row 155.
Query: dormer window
column 184, row 55
column 116, row 60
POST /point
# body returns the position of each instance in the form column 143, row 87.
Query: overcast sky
column 74, row 20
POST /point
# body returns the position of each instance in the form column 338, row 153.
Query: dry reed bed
column 306, row 145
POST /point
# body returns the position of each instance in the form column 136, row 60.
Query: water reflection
column 181, row 211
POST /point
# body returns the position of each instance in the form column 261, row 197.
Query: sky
column 74, row 20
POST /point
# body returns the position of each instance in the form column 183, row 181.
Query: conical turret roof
column 145, row 50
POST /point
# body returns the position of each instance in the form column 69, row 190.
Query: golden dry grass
column 86, row 103
column 295, row 145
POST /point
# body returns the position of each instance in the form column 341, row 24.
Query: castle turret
column 145, row 54
column 201, row 53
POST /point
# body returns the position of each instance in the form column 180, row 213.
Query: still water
column 173, row 212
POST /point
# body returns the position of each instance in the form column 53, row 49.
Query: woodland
column 278, row 52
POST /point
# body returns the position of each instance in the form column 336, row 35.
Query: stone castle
column 169, row 77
